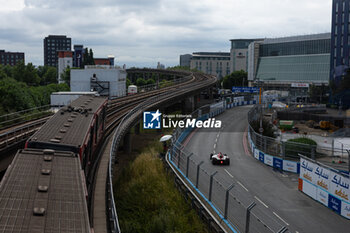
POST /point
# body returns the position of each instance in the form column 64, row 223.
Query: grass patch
column 147, row 200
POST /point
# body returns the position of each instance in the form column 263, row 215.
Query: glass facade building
column 294, row 59
column 340, row 39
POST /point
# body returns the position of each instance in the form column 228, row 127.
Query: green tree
column 2, row 72
column 50, row 75
column 140, row 82
column 8, row 70
column 88, row 58
column 18, row 71
column 237, row 78
column 31, row 76
column 65, row 76
column 150, row 81
column 91, row 57
column 41, row 70
column 128, row 82
column 14, row 96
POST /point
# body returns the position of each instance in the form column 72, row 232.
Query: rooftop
column 320, row 36
column 71, row 123
column 43, row 192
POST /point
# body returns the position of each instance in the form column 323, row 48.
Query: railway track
column 107, row 158
column 18, row 134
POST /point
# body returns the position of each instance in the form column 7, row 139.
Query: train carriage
column 77, row 128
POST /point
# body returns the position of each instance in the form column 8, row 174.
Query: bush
column 268, row 128
column 149, row 202
column 302, row 146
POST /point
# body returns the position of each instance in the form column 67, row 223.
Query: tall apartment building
column 10, row 58
column 52, row 44
column 340, row 39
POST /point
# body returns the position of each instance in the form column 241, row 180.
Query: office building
column 340, row 39
column 214, row 63
column 65, row 60
column 10, row 58
column 288, row 60
column 52, row 44
column 239, row 54
column 185, row 60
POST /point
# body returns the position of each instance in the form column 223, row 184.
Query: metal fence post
column 211, row 184
column 283, row 149
column 226, row 199
column 348, row 159
column 247, row 217
column 198, row 173
column 188, row 164
column 313, row 152
column 333, row 147
column 178, row 158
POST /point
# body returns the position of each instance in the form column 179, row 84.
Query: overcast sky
column 141, row 33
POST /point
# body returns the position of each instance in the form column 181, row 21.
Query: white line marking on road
column 242, row 186
column 216, row 140
column 284, row 175
column 228, row 173
column 218, row 135
column 296, row 231
column 214, row 145
column 213, row 151
column 280, row 218
column 261, row 201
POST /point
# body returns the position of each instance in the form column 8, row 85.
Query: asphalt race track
column 278, row 200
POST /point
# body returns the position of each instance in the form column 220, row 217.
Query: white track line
column 228, row 173
column 214, row 145
column 280, row 218
column 242, row 186
column 261, row 202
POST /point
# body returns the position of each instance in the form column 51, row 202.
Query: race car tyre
column 213, row 161
column 211, row 155
column 228, row 161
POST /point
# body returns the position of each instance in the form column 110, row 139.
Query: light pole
column 261, row 129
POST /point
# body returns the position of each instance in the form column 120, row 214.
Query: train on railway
column 48, row 176
column 77, row 128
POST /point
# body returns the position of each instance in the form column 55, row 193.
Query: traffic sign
column 245, row 89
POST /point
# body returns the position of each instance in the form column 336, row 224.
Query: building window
column 336, row 7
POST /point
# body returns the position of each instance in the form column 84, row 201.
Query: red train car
column 78, row 128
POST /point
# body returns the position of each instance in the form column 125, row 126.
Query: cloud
column 142, row 32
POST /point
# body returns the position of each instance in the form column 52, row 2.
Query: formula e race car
column 220, row 158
